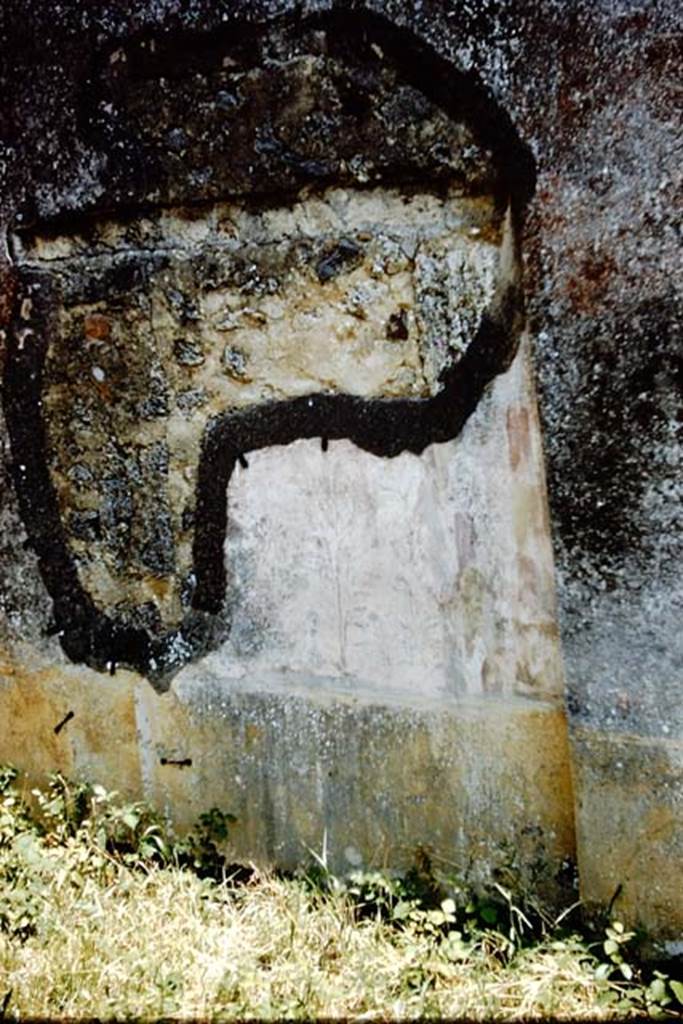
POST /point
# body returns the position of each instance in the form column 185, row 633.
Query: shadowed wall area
column 274, row 521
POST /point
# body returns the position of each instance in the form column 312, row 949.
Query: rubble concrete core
column 163, row 329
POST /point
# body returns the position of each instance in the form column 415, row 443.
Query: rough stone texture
column 160, row 325
column 378, row 314
column 591, row 88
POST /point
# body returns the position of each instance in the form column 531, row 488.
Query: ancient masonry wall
column 283, row 292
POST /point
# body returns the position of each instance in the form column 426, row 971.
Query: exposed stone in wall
column 151, row 351
column 160, row 325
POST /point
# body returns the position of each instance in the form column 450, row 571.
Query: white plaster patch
column 425, row 574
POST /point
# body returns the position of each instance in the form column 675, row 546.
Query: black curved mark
column 385, row 427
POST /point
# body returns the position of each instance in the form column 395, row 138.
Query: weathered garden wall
column 306, row 705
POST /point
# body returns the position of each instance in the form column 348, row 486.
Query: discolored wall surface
column 171, row 329
column 590, row 88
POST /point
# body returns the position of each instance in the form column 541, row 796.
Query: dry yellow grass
column 85, row 932
column 165, row 943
